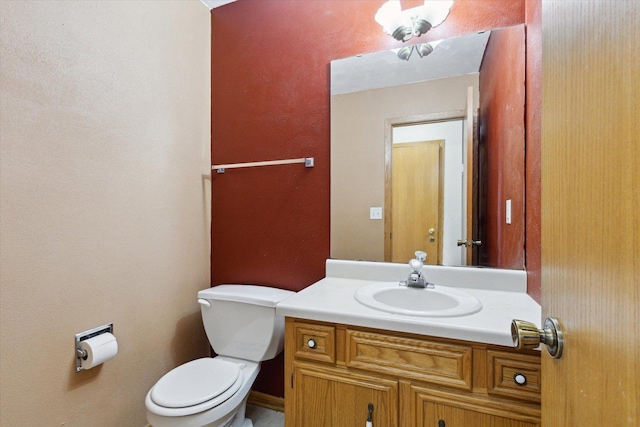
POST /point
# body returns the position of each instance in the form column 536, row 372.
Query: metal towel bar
column 308, row 163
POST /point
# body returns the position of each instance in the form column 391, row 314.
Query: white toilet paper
column 99, row 349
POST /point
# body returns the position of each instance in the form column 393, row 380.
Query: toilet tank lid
column 250, row 294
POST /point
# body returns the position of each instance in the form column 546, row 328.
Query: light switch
column 508, row 211
column 375, row 213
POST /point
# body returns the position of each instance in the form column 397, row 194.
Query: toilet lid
column 195, row 382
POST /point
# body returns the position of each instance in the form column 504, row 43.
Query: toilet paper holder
column 81, row 353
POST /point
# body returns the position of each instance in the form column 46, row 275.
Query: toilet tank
column 241, row 321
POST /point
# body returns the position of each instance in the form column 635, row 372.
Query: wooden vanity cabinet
column 335, row 371
column 328, row 397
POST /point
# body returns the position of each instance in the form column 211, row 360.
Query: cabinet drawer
column 315, row 342
column 429, row 361
column 502, row 370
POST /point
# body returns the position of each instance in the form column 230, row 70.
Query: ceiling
column 216, row 3
column 455, row 56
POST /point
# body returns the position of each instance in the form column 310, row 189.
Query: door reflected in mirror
column 407, row 137
column 416, row 213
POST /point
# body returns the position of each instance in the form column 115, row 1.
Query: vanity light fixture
column 404, row 24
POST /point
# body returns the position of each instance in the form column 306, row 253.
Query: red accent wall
column 501, row 149
column 270, row 100
column 533, row 120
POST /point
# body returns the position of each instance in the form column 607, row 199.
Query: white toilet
column 243, row 329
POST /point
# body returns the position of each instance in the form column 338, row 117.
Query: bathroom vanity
column 341, row 355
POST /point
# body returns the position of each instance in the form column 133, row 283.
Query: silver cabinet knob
column 520, row 379
column 312, row 343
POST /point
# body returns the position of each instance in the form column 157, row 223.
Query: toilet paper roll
column 99, row 349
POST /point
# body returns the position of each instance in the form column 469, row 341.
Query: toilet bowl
column 203, row 392
column 244, row 330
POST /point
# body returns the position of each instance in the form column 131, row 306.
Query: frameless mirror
column 423, row 141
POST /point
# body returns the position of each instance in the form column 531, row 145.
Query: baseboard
column 266, row 401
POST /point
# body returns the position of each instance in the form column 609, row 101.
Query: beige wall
column 357, row 155
column 104, row 131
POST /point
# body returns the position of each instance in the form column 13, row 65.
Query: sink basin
column 440, row 301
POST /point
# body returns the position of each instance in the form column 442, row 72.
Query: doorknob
column 469, row 243
column 526, row 335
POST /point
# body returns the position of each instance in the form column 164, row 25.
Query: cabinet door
column 334, row 398
column 438, row 415
column 433, row 408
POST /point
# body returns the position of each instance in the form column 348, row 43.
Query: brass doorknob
column 526, row 335
column 469, row 243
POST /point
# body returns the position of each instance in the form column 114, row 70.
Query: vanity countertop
column 501, row 293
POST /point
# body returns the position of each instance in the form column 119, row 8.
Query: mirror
column 464, row 100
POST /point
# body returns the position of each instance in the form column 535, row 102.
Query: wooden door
column 591, row 210
column 416, row 201
column 328, row 398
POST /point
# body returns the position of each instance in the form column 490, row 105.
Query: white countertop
column 501, row 293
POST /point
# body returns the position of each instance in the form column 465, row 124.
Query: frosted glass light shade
column 402, row 25
column 389, row 16
column 436, row 11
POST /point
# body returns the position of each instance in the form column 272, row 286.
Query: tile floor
column 263, row 417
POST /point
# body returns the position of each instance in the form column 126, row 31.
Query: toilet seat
column 196, row 386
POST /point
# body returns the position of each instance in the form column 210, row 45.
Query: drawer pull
column 520, row 379
column 369, row 417
column 441, row 423
column 312, row 343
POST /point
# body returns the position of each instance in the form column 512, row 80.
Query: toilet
column 243, row 329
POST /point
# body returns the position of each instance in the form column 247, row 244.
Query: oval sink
column 440, row 301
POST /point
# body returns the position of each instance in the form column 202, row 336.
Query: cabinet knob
column 312, row 343
column 441, row 423
column 520, row 379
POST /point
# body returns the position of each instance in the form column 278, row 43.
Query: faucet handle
column 421, row 256
column 415, row 265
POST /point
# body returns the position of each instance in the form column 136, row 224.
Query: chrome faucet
column 416, row 278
